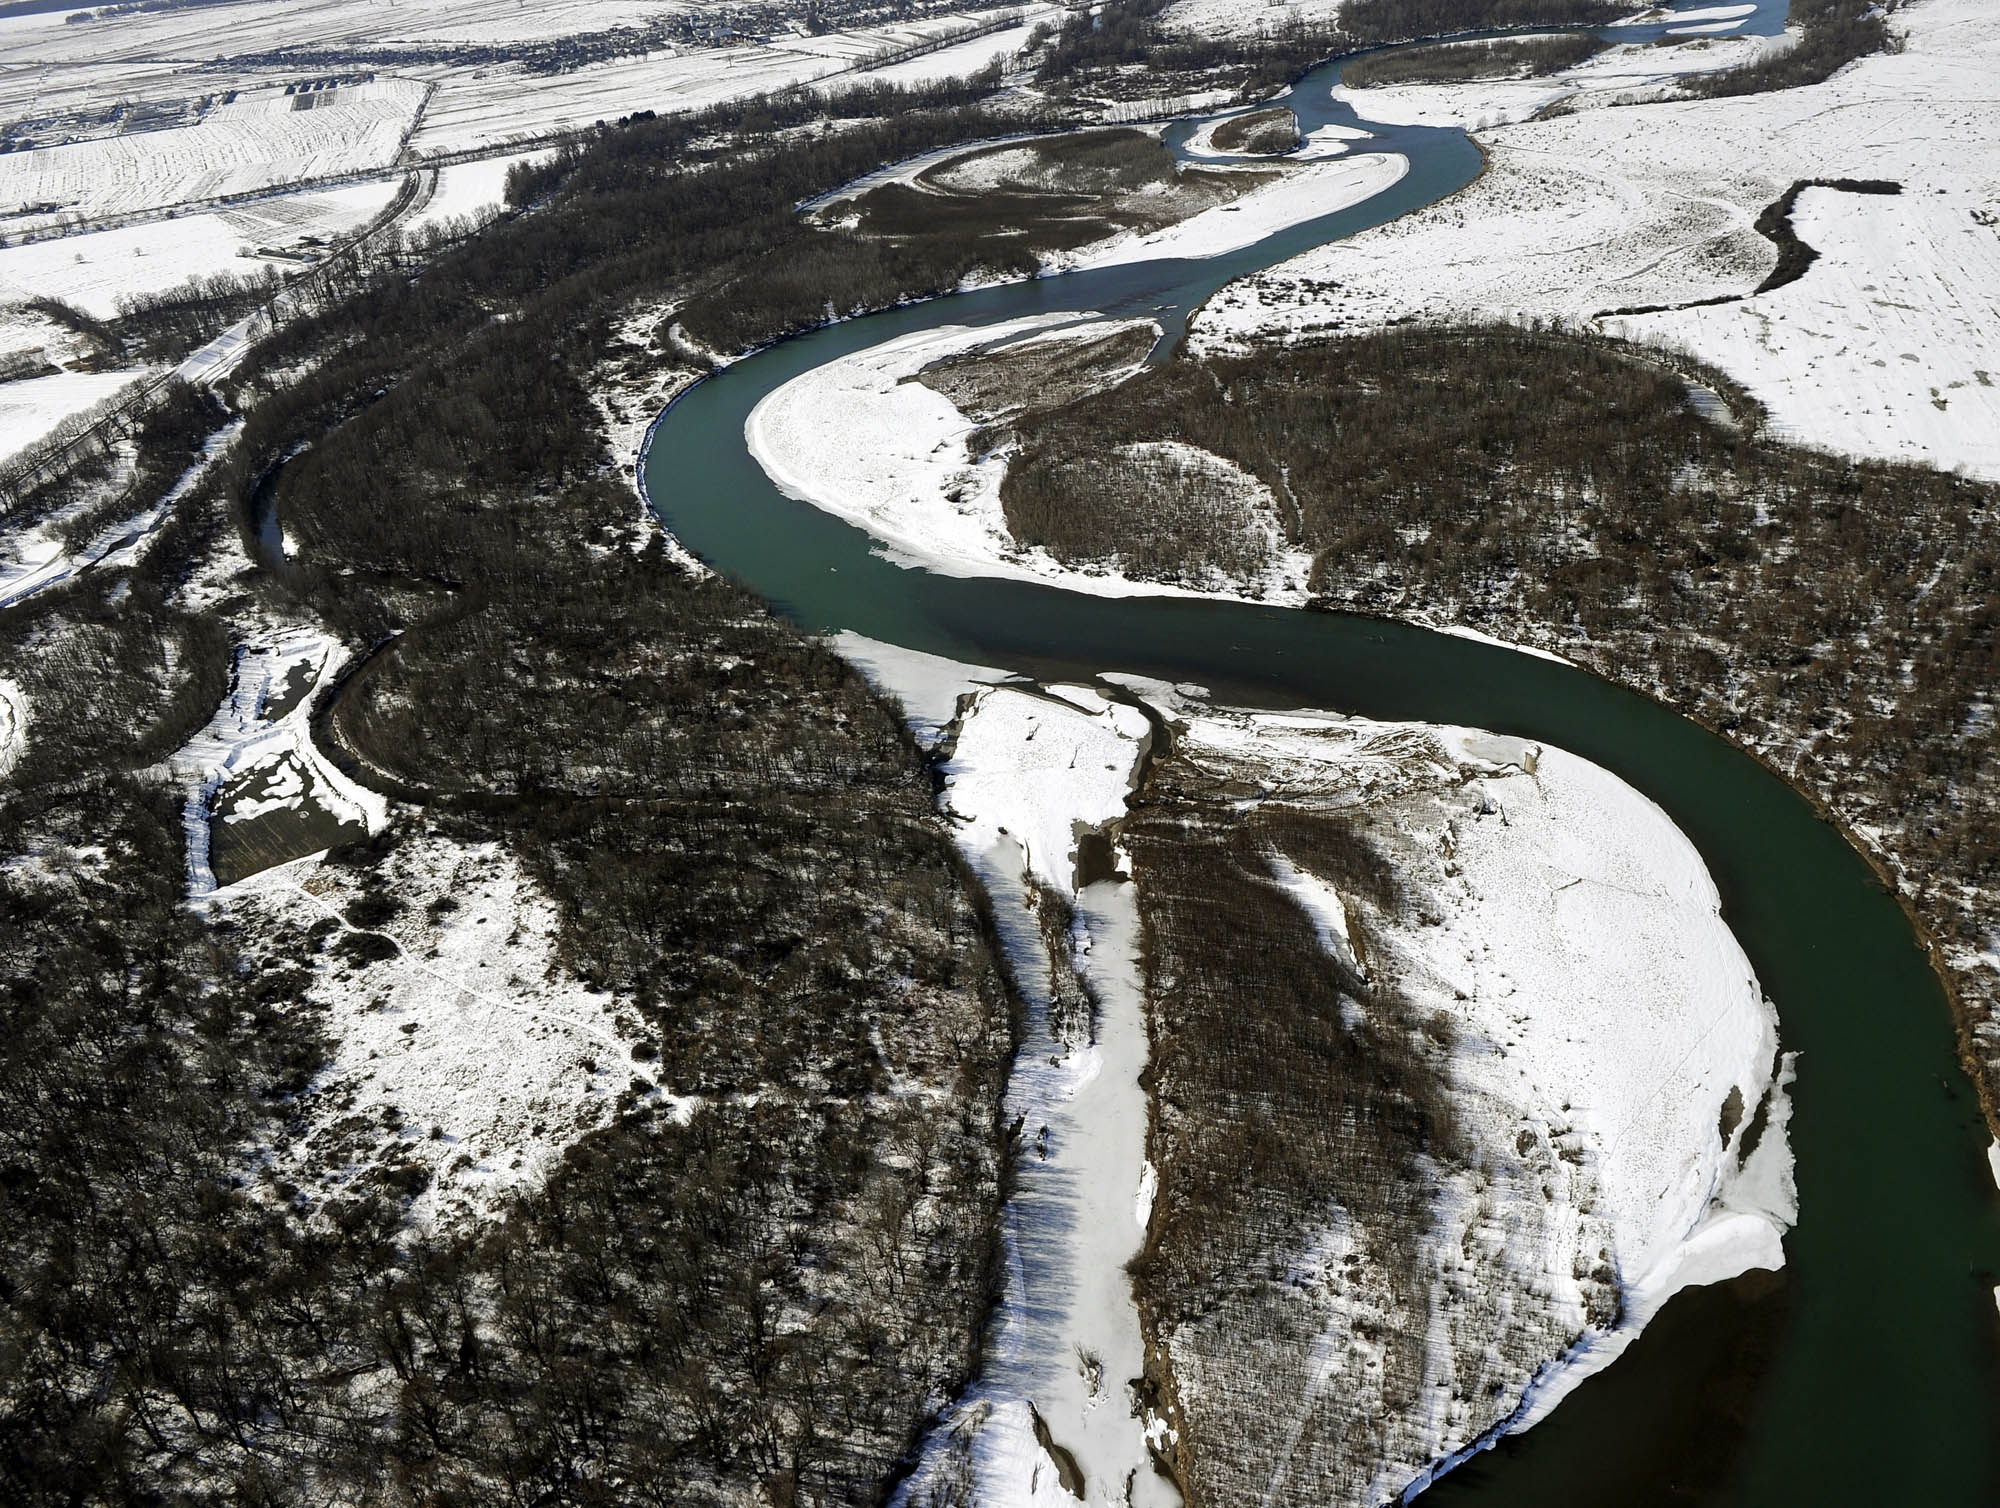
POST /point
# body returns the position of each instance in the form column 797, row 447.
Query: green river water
column 1869, row 1371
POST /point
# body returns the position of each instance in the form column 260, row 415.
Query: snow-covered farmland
column 1653, row 204
column 482, row 107
column 1247, row 18
column 259, row 140
column 13, row 725
column 31, row 408
column 890, row 456
column 187, row 34
column 35, row 558
column 466, row 191
column 1029, row 773
column 964, row 58
column 92, row 272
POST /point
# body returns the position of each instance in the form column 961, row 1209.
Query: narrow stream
column 1869, row 1370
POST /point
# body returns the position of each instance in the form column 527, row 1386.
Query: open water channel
column 1868, row 1372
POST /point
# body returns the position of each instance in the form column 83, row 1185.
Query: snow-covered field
column 467, row 191
column 1301, row 194
column 1029, row 771
column 1596, row 996
column 1889, row 346
column 1247, row 18
column 1653, row 204
column 31, row 408
column 92, row 272
column 188, row 34
column 964, row 58
column 257, row 141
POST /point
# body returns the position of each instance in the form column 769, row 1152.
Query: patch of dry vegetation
column 1037, row 374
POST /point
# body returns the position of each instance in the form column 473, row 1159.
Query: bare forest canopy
column 1124, row 47
column 1458, row 62
column 765, row 1298
column 1833, row 33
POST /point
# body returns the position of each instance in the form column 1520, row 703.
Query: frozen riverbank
column 1029, row 778
column 1534, row 957
column 1614, row 1072
column 862, row 440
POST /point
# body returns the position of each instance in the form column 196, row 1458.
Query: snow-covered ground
column 1029, row 772
column 467, row 1052
column 13, row 725
column 467, row 191
column 910, row 169
column 1889, row 346
column 260, row 140
column 32, row 407
column 962, row 59
column 1622, row 75
column 1246, row 18
column 632, row 394
column 92, row 272
column 1653, row 204
column 1322, row 142
column 926, row 686
column 890, row 456
column 1300, row 194
column 1611, row 1048
column 476, row 108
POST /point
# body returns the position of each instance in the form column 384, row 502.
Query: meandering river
column 1868, row 1372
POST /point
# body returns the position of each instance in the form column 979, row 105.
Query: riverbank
column 1544, row 815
